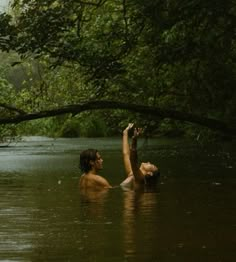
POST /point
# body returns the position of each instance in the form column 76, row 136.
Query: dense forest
column 86, row 68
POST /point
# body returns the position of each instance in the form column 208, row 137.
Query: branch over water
column 152, row 111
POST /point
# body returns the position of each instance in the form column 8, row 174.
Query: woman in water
column 137, row 175
column 91, row 163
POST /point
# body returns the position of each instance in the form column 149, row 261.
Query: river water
column 191, row 216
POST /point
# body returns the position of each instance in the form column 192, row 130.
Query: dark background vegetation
column 174, row 57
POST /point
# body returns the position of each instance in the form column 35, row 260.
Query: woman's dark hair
column 85, row 157
column 154, row 178
column 151, row 182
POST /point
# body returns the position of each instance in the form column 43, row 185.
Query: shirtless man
column 90, row 164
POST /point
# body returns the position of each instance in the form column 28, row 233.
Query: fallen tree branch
column 12, row 108
column 155, row 112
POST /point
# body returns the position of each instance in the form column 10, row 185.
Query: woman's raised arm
column 126, row 150
column 139, row 177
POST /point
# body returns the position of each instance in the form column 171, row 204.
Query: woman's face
column 148, row 168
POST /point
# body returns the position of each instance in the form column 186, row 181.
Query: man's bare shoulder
column 93, row 181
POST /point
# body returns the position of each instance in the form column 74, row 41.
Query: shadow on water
column 189, row 217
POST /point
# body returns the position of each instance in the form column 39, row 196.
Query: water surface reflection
column 44, row 217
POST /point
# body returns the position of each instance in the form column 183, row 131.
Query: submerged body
column 93, row 181
column 91, row 163
column 137, row 176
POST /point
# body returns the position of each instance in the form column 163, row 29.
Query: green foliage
column 173, row 54
column 92, row 125
column 42, row 127
column 84, row 125
column 8, row 134
column 70, row 128
column 6, row 91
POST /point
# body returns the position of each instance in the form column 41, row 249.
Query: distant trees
column 171, row 55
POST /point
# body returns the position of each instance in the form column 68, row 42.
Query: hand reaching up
column 130, row 125
column 137, row 132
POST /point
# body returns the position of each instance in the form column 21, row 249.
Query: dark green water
column 190, row 217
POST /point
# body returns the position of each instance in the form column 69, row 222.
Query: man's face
column 98, row 162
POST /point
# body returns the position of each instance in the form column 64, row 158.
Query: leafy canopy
column 172, row 54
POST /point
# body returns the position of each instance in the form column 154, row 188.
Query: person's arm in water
column 139, row 177
column 126, row 150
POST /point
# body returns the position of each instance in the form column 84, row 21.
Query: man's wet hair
column 85, row 157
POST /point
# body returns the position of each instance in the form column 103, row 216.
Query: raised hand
column 137, row 131
column 130, row 125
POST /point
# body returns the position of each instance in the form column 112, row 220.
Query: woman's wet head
column 151, row 173
column 148, row 168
